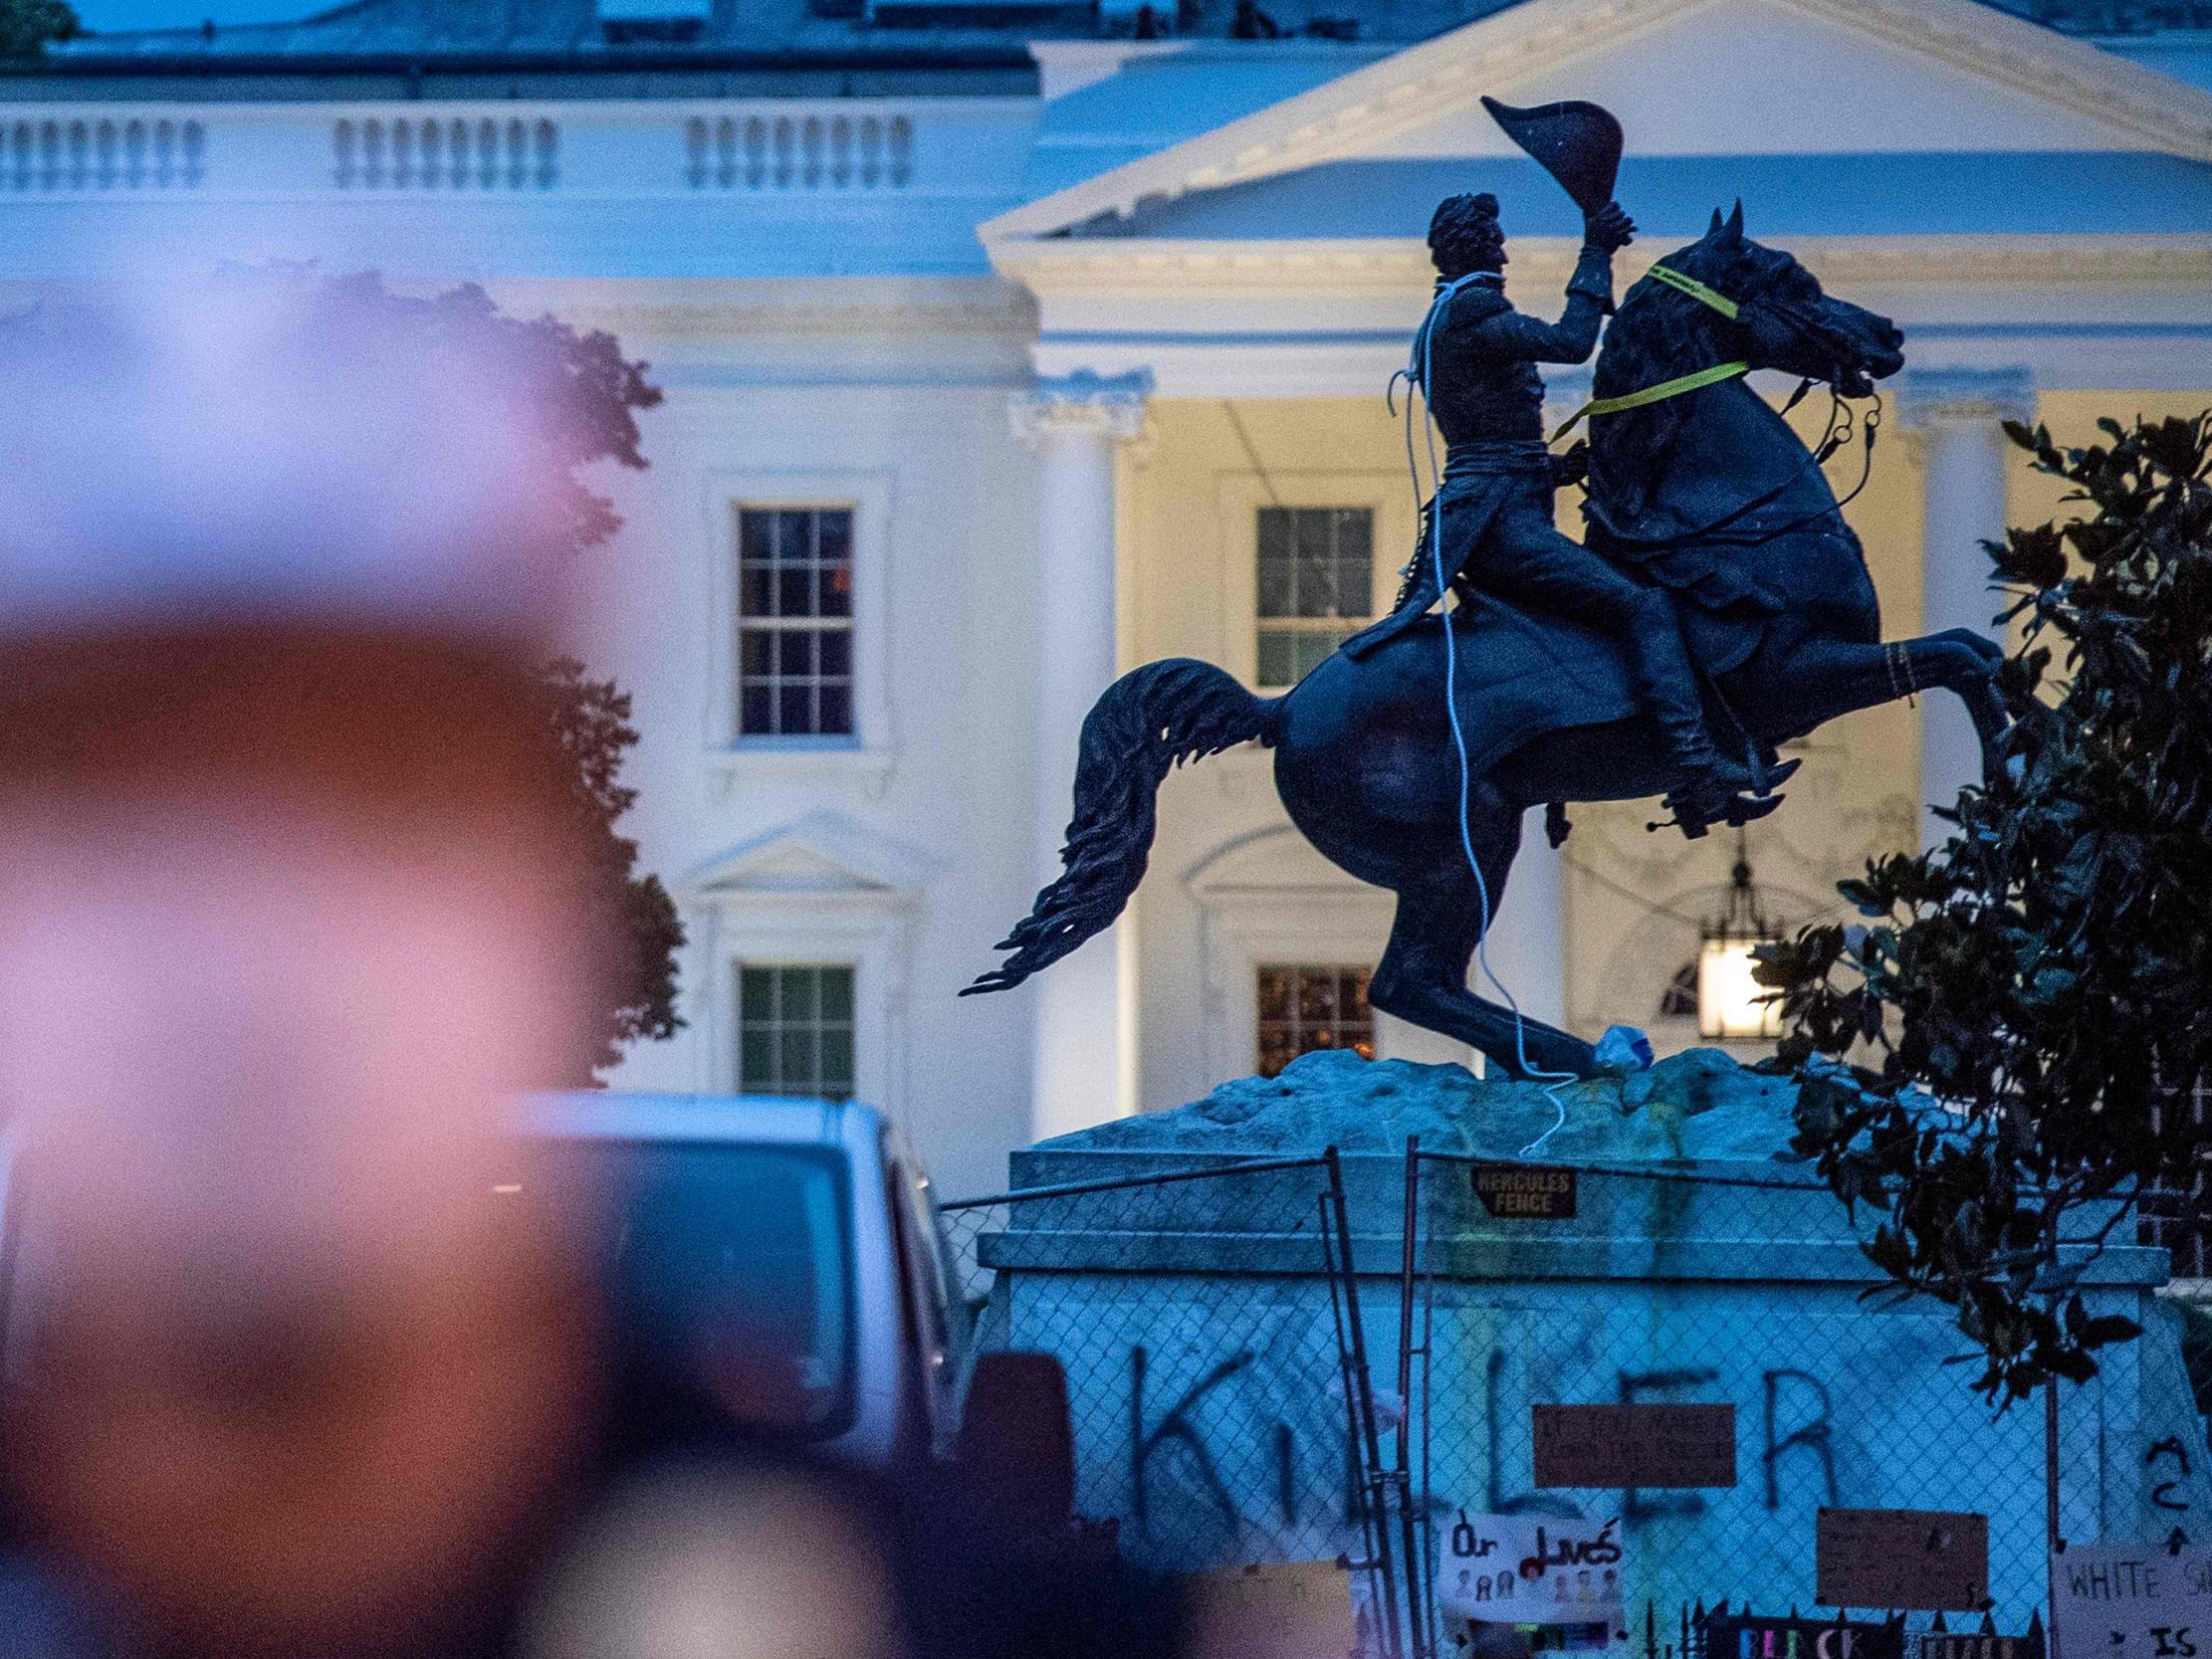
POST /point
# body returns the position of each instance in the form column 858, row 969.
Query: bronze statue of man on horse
column 1718, row 607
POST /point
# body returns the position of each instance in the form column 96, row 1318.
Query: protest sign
column 2120, row 1601
column 1931, row 1559
column 1285, row 1610
column 1635, row 1445
column 1531, row 1570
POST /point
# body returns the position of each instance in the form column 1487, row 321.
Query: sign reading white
column 2113, row 1601
column 1530, row 1570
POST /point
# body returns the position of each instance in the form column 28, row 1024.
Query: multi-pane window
column 1316, row 585
column 794, row 621
column 1304, row 1007
column 794, row 1030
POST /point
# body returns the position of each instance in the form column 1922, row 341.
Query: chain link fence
column 1217, row 1400
column 1239, row 1398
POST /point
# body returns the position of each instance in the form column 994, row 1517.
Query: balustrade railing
column 818, row 151
column 93, row 153
column 445, row 153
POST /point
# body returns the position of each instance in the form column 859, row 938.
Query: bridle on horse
column 1840, row 420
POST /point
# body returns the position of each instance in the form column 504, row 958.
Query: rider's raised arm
column 1575, row 336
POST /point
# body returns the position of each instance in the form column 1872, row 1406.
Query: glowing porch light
column 1730, row 1001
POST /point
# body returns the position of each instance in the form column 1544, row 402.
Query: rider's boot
column 1708, row 787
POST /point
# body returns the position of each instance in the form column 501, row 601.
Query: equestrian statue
column 1717, row 607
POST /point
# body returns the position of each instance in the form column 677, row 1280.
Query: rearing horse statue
column 1710, row 495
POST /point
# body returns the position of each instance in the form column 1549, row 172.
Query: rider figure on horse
column 1475, row 361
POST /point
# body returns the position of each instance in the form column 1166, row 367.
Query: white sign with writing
column 2114, row 1601
column 1530, row 1570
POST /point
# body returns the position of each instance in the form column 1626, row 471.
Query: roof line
column 1500, row 48
column 612, row 61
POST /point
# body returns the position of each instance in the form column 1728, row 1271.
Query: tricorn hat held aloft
column 1578, row 143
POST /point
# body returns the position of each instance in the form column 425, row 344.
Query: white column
column 1085, row 1037
column 1955, row 413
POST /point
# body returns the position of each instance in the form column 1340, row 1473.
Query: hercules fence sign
column 1525, row 1191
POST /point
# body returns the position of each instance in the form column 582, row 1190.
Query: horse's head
column 1782, row 320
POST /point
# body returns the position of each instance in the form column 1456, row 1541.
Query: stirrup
column 1694, row 816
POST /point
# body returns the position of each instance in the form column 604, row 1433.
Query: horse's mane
column 1656, row 335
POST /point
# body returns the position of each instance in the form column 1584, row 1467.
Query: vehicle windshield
column 730, row 1262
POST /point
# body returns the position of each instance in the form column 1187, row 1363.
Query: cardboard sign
column 1932, row 1560
column 1531, row 1570
column 1290, row 1610
column 1635, row 1445
column 1757, row 1637
column 2113, row 1601
column 1962, row 1645
column 1526, row 1191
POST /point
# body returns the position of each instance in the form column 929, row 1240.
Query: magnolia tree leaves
column 2043, row 974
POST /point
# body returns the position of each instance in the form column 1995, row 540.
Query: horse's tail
column 1148, row 722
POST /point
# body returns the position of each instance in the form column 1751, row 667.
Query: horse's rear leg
column 1825, row 677
column 1423, row 976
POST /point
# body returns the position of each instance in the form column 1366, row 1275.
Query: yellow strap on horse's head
column 1697, row 290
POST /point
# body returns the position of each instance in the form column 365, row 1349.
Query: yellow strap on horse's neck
column 1681, row 383
column 1653, row 394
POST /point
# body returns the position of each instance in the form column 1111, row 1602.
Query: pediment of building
column 823, row 854
column 1688, row 78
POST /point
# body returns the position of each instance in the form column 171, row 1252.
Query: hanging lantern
column 1730, row 1002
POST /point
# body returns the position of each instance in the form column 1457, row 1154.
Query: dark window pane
column 756, row 709
column 836, row 985
column 1274, row 994
column 837, row 1061
column 1355, row 587
column 794, row 711
column 757, row 993
column 1274, row 586
column 1275, row 532
column 1275, row 659
column 837, row 709
column 837, row 591
column 755, row 647
column 794, row 1051
column 837, row 651
column 794, row 592
column 757, row 1061
column 1313, row 538
column 795, row 535
column 755, row 534
column 757, row 594
column 799, row 1000
column 1354, row 533
column 794, row 651
column 1317, row 588
column 835, row 534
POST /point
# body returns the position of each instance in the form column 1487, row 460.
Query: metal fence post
column 1418, row 1610
column 1363, row 1405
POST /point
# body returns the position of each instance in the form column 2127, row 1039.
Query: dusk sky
column 177, row 14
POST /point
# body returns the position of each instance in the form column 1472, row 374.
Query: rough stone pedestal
column 1702, row 1264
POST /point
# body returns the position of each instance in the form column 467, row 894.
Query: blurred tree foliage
column 2045, row 972
column 26, row 26
column 632, row 920
column 582, row 397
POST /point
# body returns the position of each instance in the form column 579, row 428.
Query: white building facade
column 1004, row 351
